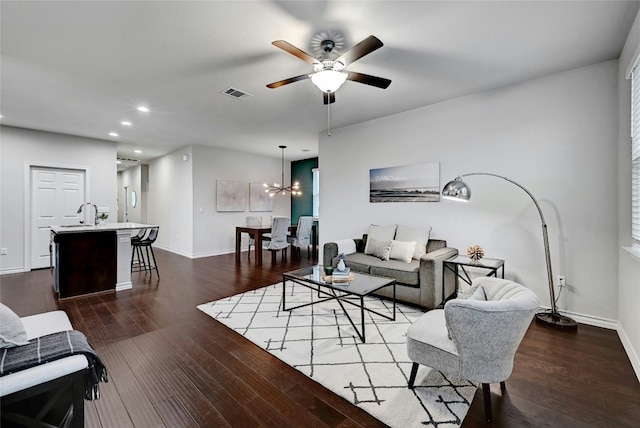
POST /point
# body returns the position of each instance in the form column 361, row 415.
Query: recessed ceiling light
column 137, row 151
column 125, row 123
column 143, row 109
column 113, row 134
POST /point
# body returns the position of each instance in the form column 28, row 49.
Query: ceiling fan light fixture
column 329, row 80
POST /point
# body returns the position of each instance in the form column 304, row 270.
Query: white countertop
column 76, row 228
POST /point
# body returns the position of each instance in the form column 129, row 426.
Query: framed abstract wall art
column 259, row 200
column 230, row 195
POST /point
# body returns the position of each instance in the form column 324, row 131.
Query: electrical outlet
column 3, row 251
column 561, row 281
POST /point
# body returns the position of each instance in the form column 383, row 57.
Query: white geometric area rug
column 319, row 341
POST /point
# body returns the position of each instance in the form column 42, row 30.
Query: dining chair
column 277, row 239
column 303, row 235
column 252, row 221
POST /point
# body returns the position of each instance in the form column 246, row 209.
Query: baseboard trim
column 124, row 286
column 631, row 353
column 590, row 320
column 174, row 251
column 197, row 255
column 14, row 270
column 213, row 253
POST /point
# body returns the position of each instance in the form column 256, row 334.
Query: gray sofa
column 418, row 282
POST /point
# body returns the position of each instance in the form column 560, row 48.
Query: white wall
column 190, row 224
column 628, row 266
column 170, row 200
column 554, row 135
column 136, row 179
column 22, row 147
column 215, row 231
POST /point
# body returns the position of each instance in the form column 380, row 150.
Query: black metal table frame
column 446, row 265
column 339, row 298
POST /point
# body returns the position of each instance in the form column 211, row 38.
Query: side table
column 458, row 265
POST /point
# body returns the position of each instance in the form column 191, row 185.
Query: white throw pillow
column 418, row 234
column 402, row 250
column 381, row 233
column 378, row 248
column 12, row 331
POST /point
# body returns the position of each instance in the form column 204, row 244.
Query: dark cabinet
column 85, row 262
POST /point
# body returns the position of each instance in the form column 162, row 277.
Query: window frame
column 635, row 154
column 316, row 193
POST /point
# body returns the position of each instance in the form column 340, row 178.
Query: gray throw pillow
column 380, row 249
column 12, row 332
column 418, row 234
column 381, row 233
column 479, row 294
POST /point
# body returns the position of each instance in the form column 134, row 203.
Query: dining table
column 257, row 233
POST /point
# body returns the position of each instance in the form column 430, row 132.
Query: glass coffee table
column 352, row 292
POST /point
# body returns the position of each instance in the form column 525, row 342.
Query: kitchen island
column 91, row 259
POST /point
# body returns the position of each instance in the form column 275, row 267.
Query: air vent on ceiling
column 236, row 93
column 128, row 160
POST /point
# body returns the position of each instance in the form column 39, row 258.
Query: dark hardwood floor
column 171, row 365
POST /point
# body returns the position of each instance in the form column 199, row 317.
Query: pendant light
column 276, row 188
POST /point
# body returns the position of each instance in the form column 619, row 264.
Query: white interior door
column 56, row 195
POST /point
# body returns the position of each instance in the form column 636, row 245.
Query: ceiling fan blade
column 288, row 47
column 287, row 81
column 363, row 48
column 329, row 97
column 379, row 82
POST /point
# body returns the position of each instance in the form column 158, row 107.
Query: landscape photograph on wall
column 407, row 183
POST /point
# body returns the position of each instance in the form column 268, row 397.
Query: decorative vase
column 475, row 252
column 341, row 266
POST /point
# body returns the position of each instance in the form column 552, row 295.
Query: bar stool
column 137, row 248
column 136, row 255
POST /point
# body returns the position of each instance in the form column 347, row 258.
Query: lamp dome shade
column 456, row 190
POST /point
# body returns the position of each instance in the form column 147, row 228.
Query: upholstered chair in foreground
column 474, row 338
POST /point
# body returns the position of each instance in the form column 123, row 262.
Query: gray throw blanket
column 53, row 347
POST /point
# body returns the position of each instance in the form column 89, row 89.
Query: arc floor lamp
column 459, row 191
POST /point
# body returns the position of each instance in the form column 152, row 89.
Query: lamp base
column 556, row 320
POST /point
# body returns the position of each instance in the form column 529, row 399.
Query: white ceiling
column 82, row 67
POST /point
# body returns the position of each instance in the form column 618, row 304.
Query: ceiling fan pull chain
column 329, row 119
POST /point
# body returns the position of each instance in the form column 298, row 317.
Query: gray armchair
column 475, row 338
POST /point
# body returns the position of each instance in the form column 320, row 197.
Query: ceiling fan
column 329, row 74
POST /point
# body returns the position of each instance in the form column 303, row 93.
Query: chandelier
column 281, row 188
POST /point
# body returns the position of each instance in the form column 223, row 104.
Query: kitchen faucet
column 95, row 220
